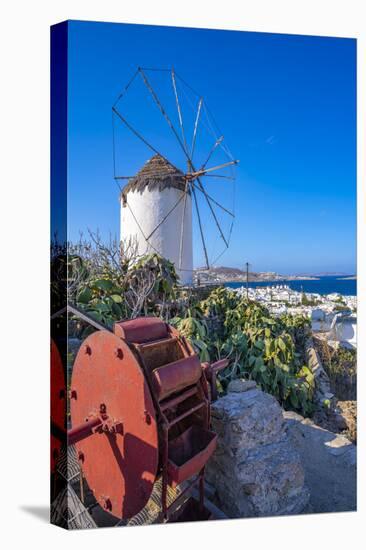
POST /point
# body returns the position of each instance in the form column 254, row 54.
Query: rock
column 340, row 421
column 255, row 469
column 348, row 411
column 246, row 420
column 328, row 395
column 321, row 379
column 240, row 385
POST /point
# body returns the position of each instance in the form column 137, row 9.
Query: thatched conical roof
column 157, row 173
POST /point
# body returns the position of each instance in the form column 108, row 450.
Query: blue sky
column 287, row 107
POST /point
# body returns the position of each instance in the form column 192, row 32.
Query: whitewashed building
column 156, row 211
column 344, row 330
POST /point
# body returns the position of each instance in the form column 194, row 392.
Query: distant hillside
column 223, row 274
column 330, row 274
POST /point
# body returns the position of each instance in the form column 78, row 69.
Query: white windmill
column 157, row 202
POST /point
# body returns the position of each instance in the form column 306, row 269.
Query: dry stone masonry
column 256, row 471
column 322, row 382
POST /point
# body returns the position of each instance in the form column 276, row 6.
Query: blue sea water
column 323, row 285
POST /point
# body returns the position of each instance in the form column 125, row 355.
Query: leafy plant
column 110, row 290
column 259, row 347
column 110, row 284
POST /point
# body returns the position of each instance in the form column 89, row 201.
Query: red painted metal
column 211, row 371
column 176, row 376
column 189, row 452
column 168, row 404
column 178, row 413
column 120, row 468
column 185, row 414
column 143, row 329
column 87, row 428
column 58, row 404
column 140, row 408
column 95, row 424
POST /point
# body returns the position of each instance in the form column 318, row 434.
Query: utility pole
column 247, row 270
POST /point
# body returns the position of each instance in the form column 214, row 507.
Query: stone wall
column 322, row 382
column 255, row 470
column 331, row 413
column 343, row 381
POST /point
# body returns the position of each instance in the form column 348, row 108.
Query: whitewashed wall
column 344, row 329
column 149, row 208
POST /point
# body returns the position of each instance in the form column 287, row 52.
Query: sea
column 322, row 285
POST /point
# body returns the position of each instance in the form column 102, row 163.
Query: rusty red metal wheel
column 108, row 383
column 58, row 404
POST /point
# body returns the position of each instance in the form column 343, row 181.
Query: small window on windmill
column 124, row 200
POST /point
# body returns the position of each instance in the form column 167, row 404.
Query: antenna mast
column 247, row 271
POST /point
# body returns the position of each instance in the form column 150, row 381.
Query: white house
column 344, row 330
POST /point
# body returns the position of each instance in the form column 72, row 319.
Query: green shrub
column 270, row 350
column 260, row 347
